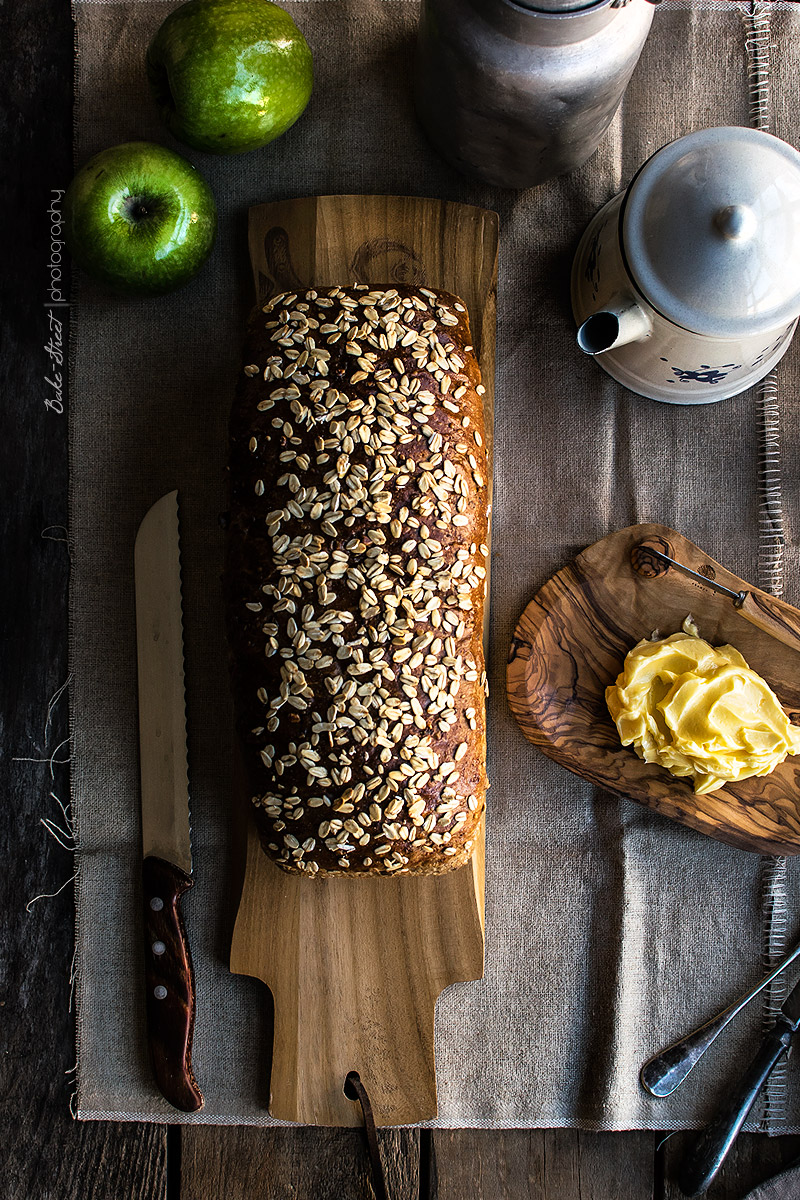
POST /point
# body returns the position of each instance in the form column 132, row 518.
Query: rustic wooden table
column 48, row 1156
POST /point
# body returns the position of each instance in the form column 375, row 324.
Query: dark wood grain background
column 46, row 1155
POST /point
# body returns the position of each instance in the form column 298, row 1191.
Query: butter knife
column 666, row 1071
column 709, row 1151
column 167, row 854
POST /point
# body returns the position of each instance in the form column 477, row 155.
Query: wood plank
column 60, row 1158
column 46, row 1155
column 753, row 1159
column 552, row 1164
column 238, row 1163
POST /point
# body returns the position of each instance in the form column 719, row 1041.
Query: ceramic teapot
column 686, row 287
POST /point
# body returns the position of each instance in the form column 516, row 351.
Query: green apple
column 229, row 75
column 140, row 217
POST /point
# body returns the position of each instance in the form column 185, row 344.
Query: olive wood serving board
column 355, row 965
column 570, row 644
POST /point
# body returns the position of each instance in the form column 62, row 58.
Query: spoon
column 663, row 1073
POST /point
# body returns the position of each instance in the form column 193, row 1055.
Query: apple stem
column 135, row 209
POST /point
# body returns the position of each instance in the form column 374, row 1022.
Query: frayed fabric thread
column 770, row 512
column 775, row 911
column 61, row 828
column 757, row 16
column 64, row 833
column 771, row 579
column 50, row 534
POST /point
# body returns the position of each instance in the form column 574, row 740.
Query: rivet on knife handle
column 170, row 983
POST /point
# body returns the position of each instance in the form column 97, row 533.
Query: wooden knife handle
column 170, row 983
column 778, row 620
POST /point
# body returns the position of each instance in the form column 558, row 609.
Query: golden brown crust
column 355, row 580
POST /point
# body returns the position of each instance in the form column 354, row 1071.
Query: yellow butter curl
column 700, row 711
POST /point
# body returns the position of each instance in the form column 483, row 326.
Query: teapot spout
column 620, row 322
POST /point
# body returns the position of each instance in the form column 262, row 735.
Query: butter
column 699, row 711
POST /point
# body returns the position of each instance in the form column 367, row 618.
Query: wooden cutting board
column 570, row 645
column 355, row 965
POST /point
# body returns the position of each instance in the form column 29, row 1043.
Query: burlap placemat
column 610, row 931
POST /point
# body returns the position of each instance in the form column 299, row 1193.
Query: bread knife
column 164, row 781
column 709, row 1151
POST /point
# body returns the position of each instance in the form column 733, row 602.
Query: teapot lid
column 711, row 231
column 559, row 6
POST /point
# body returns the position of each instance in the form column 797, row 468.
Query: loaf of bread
column 355, row 580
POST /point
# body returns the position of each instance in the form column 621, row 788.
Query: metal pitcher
column 516, row 93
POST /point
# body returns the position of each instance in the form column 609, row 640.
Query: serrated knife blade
column 164, row 785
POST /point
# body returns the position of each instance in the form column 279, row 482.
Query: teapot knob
column 736, row 222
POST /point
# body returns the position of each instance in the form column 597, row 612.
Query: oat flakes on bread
column 355, row 580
